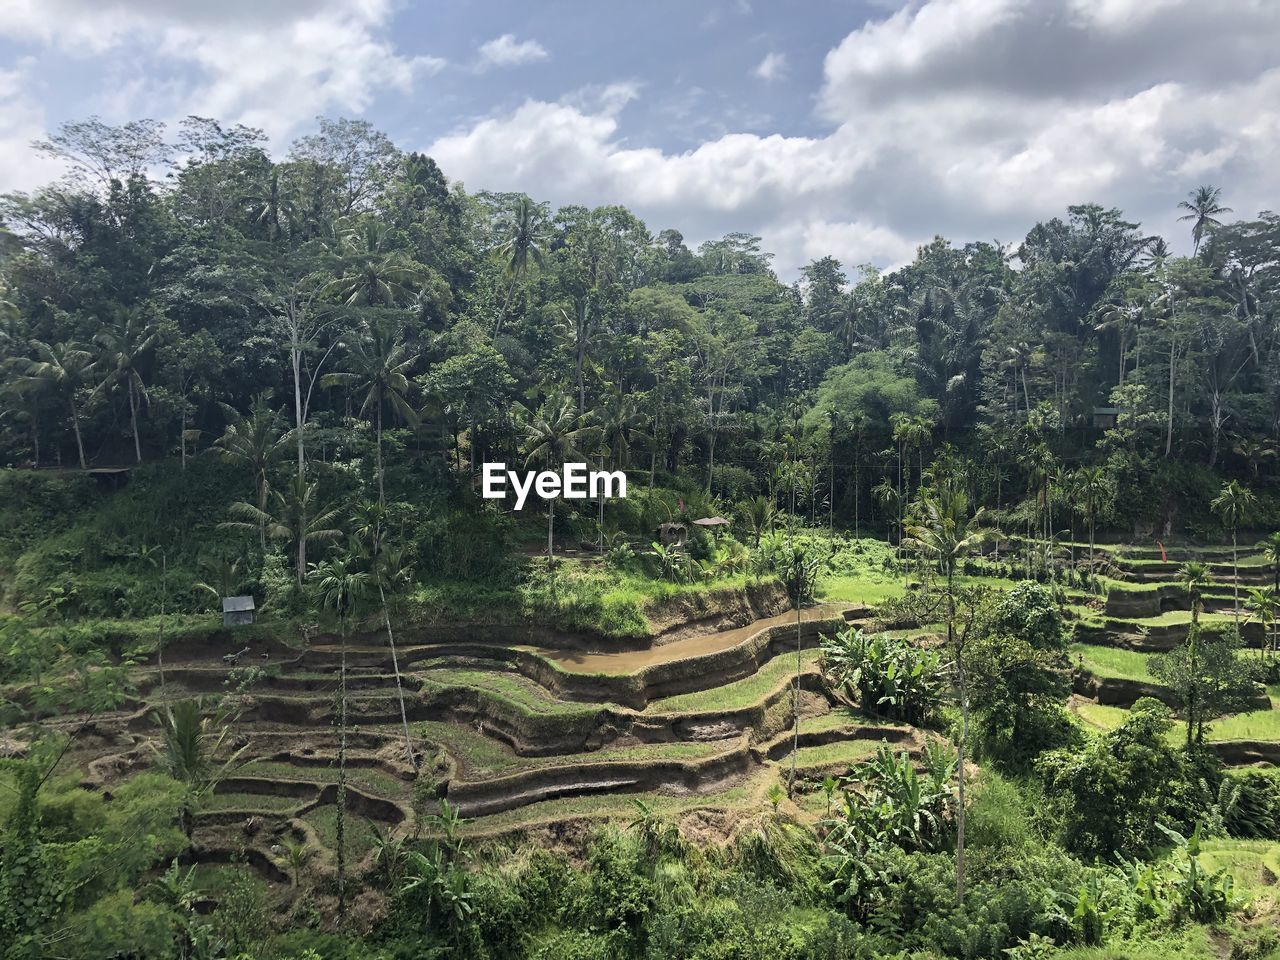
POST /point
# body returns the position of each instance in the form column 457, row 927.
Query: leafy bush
column 889, row 676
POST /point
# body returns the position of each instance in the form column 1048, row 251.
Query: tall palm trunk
column 395, row 665
column 795, row 705
column 551, row 527
column 961, row 683
column 133, row 423
column 341, row 816
column 381, row 496
column 1235, row 577
column 75, row 425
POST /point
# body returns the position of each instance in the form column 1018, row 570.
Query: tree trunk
column 164, row 578
column 381, row 495
column 395, row 665
column 964, row 731
column 551, row 526
column 1173, row 356
column 75, row 425
column 133, row 423
column 341, row 819
column 795, row 704
column 295, row 351
column 1235, row 578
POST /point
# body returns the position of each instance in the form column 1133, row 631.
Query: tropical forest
column 940, row 617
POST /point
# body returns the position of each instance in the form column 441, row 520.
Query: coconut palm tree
column 1194, row 577
column 1093, row 486
column 63, row 368
column 295, row 516
column 946, row 532
column 388, row 571
column 1203, row 206
column 377, row 275
column 1264, row 603
column 1271, row 551
column 191, row 751
column 341, row 588
column 1254, row 453
column 521, row 249
column 554, row 435
column 1232, row 504
column 129, row 337
column 378, row 367
column 257, row 442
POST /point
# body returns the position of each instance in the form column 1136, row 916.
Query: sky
column 852, row 128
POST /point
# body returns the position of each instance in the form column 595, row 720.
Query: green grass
column 841, row 717
column 1112, row 662
column 483, row 758
column 1172, row 617
column 1254, row 725
column 359, row 833
column 524, row 695
column 1248, row 861
column 621, row 807
column 868, row 588
column 367, row 778
column 741, row 693
column 831, row 754
column 1100, row 716
column 251, row 801
column 1263, row 725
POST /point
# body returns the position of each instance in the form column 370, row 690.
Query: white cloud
column 268, row 63
column 772, row 67
column 507, row 51
column 21, row 121
column 969, row 117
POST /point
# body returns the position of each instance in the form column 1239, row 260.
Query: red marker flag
column 1163, row 557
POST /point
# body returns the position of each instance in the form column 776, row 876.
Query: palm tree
column 1271, row 551
column 295, row 518
column 63, row 368
column 388, row 570
column 378, row 276
column 378, row 369
column 191, row 744
column 553, row 435
column 760, row 514
column 1203, row 207
column 946, row 533
column 256, row 442
column 1092, row 485
column 341, row 588
column 124, row 343
column 1254, row 453
column 1232, row 503
column 1264, row 603
column 521, row 248
column 1194, row 576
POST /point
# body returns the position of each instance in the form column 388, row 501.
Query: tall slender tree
column 64, row 368
column 341, row 588
column 946, row 532
column 125, row 342
column 377, row 371
column 1203, row 206
column 553, row 435
column 1233, row 504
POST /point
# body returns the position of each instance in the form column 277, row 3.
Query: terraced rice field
column 1112, row 668
column 519, row 734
